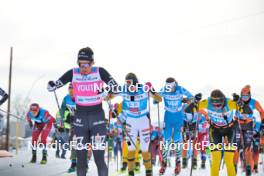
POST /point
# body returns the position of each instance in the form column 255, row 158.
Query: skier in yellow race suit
column 221, row 112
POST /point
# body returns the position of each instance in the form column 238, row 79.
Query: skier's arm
column 260, row 110
column 155, row 95
column 48, row 117
column 202, row 107
column 29, row 120
column 63, row 107
column 186, row 93
column 64, row 79
column 3, row 96
column 109, row 80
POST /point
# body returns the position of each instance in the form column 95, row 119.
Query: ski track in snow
column 58, row 167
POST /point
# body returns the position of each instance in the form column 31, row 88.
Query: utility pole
column 9, row 99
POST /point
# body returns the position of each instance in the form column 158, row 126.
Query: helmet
column 85, row 54
column 171, row 84
column 131, row 78
column 245, row 90
column 217, row 98
column 70, row 86
column 34, row 107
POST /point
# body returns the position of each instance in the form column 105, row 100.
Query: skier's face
column 171, row 87
column 245, row 97
column 217, row 103
column 85, row 66
column 34, row 111
column 70, row 91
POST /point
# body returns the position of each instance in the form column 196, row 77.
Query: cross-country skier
column 41, row 122
column 245, row 130
column 155, row 139
column 135, row 114
column 221, row 112
column 3, row 96
column 89, row 122
column 195, row 128
column 173, row 95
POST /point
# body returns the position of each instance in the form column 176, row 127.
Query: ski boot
column 124, row 167
column 194, row 163
column 72, row 168
column 248, row 170
column 44, row 157
column 137, row 167
column 203, row 164
column 184, row 163
column 256, row 168
column 148, row 172
column 131, row 173
column 163, row 168
column 34, row 156
column 177, row 168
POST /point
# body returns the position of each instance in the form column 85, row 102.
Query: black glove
column 185, row 100
column 61, row 130
column 30, row 124
column 55, row 125
column 51, row 86
column 198, row 97
column 235, row 97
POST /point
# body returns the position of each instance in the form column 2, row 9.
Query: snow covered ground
column 58, row 167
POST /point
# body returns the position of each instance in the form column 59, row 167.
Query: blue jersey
column 68, row 104
column 42, row 117
column 173, row 100
column 221, row 117
column 135, row 104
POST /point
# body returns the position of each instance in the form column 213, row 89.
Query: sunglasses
column 34, row 109
column 245, row 96
column 217, row 102
column 85, row 65
column 129, row 81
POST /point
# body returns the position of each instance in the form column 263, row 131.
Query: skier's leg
column 131, row 138
column 216, row 150
column 81, row 132
column 35, row 134
column 144, row 144
column 229, row 151
column 256, row 143
column 98, row 138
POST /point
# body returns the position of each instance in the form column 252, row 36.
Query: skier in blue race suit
column 173, row 95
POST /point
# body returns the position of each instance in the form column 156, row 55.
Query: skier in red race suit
column 41, row 122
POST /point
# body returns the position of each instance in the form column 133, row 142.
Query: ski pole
column 58, row 106
column 126, row 133
column 15, row 116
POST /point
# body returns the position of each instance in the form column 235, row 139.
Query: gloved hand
column 30, row 124
column 51, row 86
column 235, row 97
column 155, row 102
column 122, row 119
column 255, row 134
column 60, row 129
column 185, row 100
column 55, row 125
column 198, row 97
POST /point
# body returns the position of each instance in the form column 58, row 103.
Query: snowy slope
column 58, row 167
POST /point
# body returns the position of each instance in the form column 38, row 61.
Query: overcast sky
column 204, row 44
